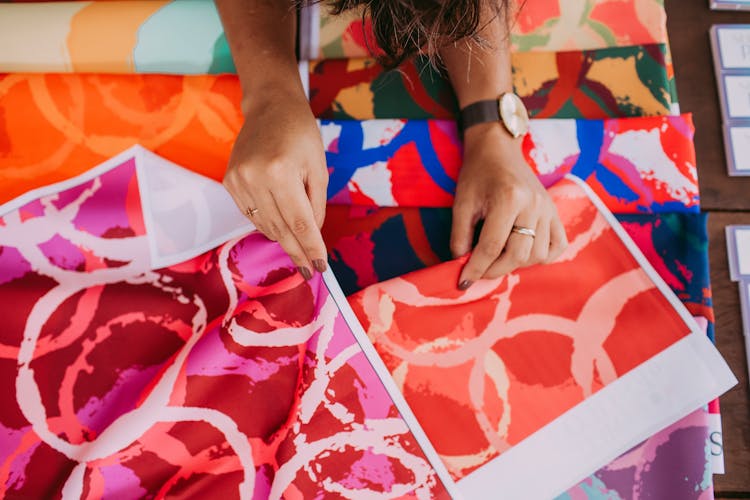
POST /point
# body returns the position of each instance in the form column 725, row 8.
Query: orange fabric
column 53, row 127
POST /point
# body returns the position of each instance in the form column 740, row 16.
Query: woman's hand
column 497, row 185
column 277, row 175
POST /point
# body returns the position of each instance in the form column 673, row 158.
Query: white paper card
column 739, row 138
column 737, row 92
column 730, row 4
column 742, row 242
column 734, row 47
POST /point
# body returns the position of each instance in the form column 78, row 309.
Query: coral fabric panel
column 508, row 356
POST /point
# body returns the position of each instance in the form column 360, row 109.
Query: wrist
column 268, row 94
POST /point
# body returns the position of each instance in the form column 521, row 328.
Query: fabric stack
column 153, row 349
column 605, row 65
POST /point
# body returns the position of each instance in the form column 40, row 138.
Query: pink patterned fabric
column 225, row 375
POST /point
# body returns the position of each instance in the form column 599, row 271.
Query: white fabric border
column 145, row 159
column 647, row 399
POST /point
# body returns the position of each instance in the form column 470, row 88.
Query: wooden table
column 727, row 200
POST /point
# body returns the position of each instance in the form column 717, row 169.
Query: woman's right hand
column 277, row 176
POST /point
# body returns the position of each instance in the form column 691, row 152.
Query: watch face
column 514, row 114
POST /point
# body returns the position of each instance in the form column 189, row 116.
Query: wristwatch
column 508, row 108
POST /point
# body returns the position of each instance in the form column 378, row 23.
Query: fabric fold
column 602, row 83
column 633, row 164
column 545, row 25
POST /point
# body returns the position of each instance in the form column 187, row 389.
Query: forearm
column 481, row 72
column 261, row 36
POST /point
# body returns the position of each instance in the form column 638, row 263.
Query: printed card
column 738, row 249
column 737, row 95
column 733, row 46
column 737, row 142
column 745, row 308
column 730, row 4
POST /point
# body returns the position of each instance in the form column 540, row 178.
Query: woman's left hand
column 497, row 185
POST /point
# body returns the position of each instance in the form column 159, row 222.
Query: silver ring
column 251, row 211
column 526, row 231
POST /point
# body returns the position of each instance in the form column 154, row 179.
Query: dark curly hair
column 402, row 28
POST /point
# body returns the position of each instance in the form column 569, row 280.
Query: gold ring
column 526, row 231
column 251, row 211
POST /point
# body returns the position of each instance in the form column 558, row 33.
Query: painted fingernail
column 305, row 272
column 465, row 284
column 319, row 265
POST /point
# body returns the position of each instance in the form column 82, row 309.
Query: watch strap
column 480, row 112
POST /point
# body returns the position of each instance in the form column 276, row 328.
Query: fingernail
column 465, row 284
column 319, row 265
column 305, row 272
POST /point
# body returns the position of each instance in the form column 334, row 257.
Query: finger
column 317, row 186
column 245, row 204
column 276, row 226
column 491, row 242
column 540, row 247
column 462, row 230
column 558, row 239
column 517, row 253
column 297, row 213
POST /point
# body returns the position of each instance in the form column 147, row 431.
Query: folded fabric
column 676, row 245
column 53, row 127
column 170, row 36
column 521, row 368
column 633, row 164
column 370, row 245
column 132, row 36
column 610, row 82
column 546, row 25
column 225, row 374
column 671, row 463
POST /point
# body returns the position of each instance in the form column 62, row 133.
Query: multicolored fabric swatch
column 370, row 245
column 611, row 82
column 545, row 25
column 220, row 335
column 133, row 36
column 676, row 245
column 168, row 36
column 558, row 25
column 53, row 127
column 634, row 165
column 224, row 374
column 507, row 359
column 673, row 462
